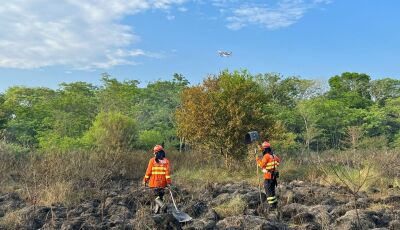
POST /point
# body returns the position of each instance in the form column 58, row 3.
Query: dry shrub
column 70, row 177
column 59, row 192
column 47, row 174
column 386, row 164
column 11, row 165
column 375, row 169
column 290, row 170
column 355, row 170
column 324, row 221
column 142, row 219
column 233, row 207
column 210, row 175
column 190, row 159
column 12, row 220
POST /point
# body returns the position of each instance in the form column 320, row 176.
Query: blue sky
column 46, row 42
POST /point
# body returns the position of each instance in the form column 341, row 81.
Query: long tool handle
column 173, row 200
column 258, row 177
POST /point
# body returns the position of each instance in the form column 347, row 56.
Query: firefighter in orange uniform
column 158, row 176
column 269, row 165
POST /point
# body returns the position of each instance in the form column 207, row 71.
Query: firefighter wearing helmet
column 158, row 176
column 269, row 164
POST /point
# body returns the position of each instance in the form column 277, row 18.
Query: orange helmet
column 265, row 145
column 157, row 148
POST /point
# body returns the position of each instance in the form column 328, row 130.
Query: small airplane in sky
column 224, row 53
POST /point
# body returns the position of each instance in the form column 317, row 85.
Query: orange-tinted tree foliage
column 216, row 114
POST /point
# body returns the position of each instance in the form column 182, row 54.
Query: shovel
column 180, row 216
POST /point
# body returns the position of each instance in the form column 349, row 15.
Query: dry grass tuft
column 378, row 207
column 233, row 207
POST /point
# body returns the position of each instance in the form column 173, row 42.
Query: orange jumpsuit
column 158, row 174
column 269, row 165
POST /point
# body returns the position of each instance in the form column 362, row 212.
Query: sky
column 45, row 42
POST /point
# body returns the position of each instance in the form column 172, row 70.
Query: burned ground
column 216, row 206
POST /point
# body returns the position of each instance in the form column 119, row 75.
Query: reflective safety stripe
column 270, row 167
column 159, row 168
column 158, row 173
column 168, row 177
column 271, row 200
column 147, row 177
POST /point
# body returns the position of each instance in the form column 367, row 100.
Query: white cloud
column 183, row 9
column 79, row 34
column 282, row 14
column 89, row 34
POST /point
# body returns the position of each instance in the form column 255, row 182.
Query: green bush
column 49, row 141
column 111, row 130
column 14, row 149
column 396, row 142
column 378, row 142
column 148, row 138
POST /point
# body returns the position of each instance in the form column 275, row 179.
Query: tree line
column 351, row 111
column 116, row 114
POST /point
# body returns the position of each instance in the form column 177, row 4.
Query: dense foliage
column 353, row 111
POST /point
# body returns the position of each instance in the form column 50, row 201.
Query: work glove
column 144, row 183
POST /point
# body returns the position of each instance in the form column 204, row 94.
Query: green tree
column 375, row 121
column 352, row 89
column 331, row 121
column 392, row 109
column 288, row 91
column 282, row 97
column 310, row 116
column 157, row 106
column 74, row 109
column 216, row 114
column 118, row 96
column 384, row 89
column 3, row 113
column 27, row 111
